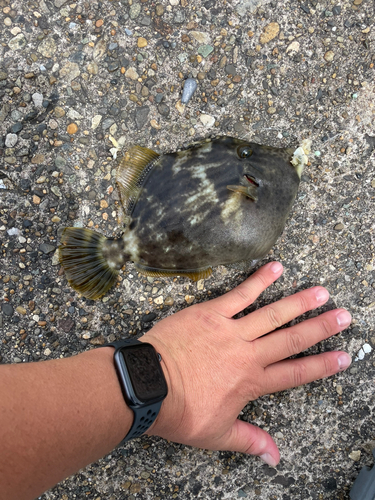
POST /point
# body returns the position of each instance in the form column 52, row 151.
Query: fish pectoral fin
column 250, row 191
column 131, row 171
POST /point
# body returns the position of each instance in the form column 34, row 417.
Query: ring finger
column 295, row 372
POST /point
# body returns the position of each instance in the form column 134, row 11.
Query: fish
column 221, row 201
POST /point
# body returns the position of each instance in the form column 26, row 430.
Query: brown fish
column 222, row 201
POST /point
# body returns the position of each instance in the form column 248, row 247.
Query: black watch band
column 144, row 413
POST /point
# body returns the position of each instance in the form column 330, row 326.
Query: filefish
column 221, row 201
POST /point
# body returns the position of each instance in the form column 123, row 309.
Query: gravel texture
column 72, row 75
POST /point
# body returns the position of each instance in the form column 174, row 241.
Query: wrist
column 142, row 382
column 110, row 392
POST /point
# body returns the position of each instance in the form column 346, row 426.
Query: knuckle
column 251, row 444
column 294, row 342
column 326, row 328
column 327, row 366
column 209, row 319
column 243, row 294
column 303, row 302
column 299, row 374
column 273, row 317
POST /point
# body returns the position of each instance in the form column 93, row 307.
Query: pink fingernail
column 343, row 318
column 276, row 267
column 321, row 295
column 268, row 459
column 344, row 360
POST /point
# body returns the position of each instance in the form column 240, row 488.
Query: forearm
column 55, row 418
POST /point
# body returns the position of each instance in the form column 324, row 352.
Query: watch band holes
column 142, row 418
column 149, row 412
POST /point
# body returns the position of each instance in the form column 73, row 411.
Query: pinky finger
column 294, row 372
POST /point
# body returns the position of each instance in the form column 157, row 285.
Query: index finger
column 243, row 295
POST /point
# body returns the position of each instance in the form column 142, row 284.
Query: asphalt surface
column 72, row 75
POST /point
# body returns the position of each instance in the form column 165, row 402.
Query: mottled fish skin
column 223, row 201
column 187, row 219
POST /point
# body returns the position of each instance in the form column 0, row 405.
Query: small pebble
column 131, row 73
column 366, row 348
column 95, row 121
column 355, row 455
column 159, row 9
column 189, row 299
column 37, row 99
column 135, row 10
column 7, row 309
column 11, row 140
column 142, row 42
column 180, row 107
column 72, row 128
column 92, row 68
column 269, row 33
column 168, row 301
column 200, row 36
column 46, row 248
column 329, row 55
column 207, row 120
column 190, row 86
column 59, row 112
column 205, row 50
column 293, row 47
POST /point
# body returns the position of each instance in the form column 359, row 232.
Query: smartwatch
column 142, row 382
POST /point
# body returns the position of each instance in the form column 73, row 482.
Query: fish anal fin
column 131, row 172
column 169, row 273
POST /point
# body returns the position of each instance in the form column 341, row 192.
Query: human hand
column 215, row 365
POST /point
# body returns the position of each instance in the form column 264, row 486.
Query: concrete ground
column 72, row 75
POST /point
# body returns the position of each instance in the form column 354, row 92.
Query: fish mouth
column 251, row 180
column 250, row 190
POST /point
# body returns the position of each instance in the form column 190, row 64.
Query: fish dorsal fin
column 131, row 172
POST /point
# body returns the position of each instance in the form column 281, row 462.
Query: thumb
column 247, row 438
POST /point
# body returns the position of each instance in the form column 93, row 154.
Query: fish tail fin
column 90, row 260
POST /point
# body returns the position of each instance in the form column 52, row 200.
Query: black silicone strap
column 143, row 417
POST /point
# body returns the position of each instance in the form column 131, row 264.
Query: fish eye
column 244, row 152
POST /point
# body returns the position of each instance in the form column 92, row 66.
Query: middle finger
column 290, row 341
column 273, row 316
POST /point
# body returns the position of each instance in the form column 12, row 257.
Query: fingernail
column 321, row 295
column 276, row 267
column 268, row 459
column 343, row 318
column 344, row 360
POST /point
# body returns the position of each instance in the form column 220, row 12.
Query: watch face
column 145, row 372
